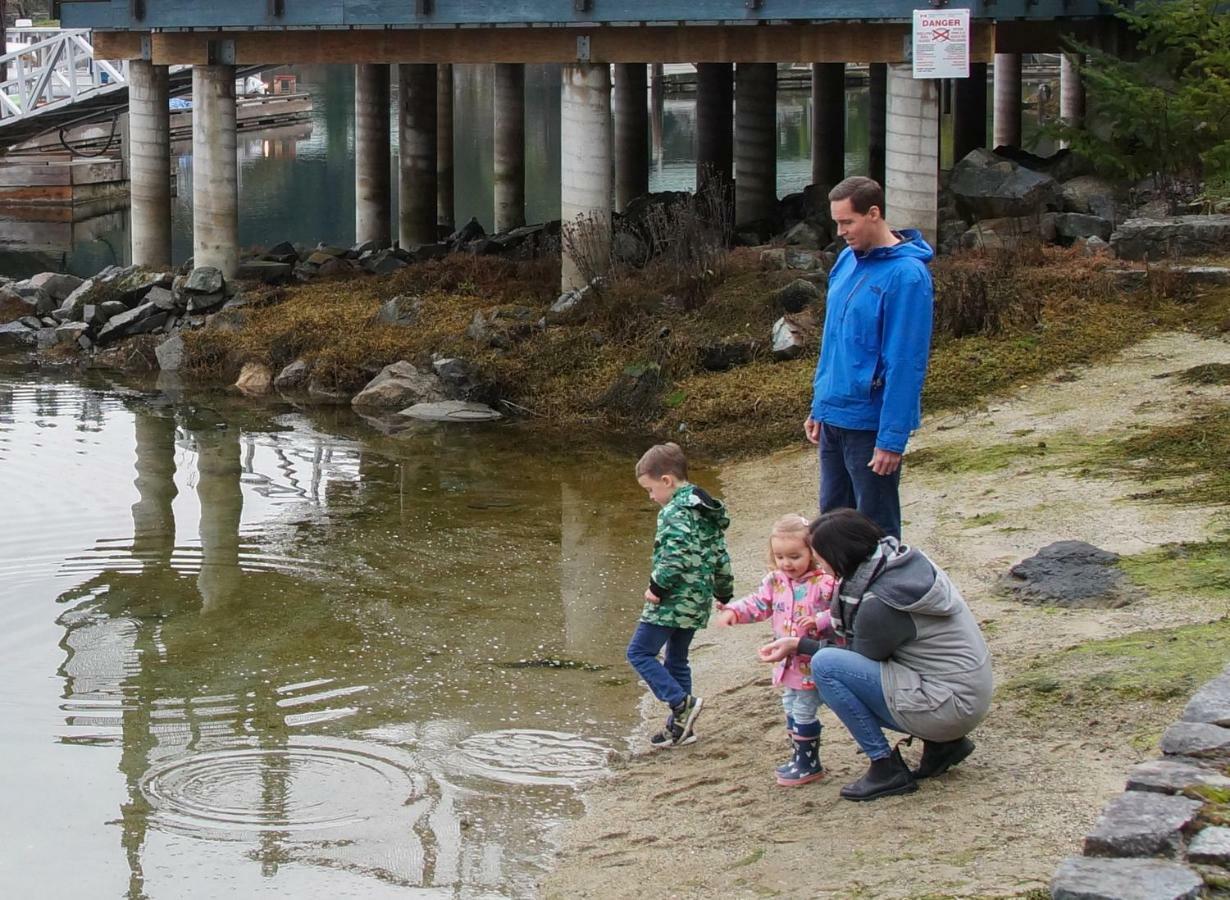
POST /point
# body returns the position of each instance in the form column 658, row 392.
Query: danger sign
column 941, row 43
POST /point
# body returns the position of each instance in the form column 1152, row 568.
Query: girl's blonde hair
column 792, row 525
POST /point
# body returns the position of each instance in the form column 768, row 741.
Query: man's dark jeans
column 847, row 482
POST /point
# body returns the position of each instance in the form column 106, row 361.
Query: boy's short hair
column 663, row 459
column 862, row 192
column 844, row 538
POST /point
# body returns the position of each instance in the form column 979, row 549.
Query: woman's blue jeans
column 850, row 685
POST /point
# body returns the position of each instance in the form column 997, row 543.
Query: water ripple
column 528, row 757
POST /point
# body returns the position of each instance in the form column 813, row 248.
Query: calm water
column 262, row 652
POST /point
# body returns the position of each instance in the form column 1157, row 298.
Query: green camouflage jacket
column 690, row 564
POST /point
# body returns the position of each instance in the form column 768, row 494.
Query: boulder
column 1070, row 574
column 108, row 309
column 400, row 310
column 795, row 334
column 1092, row 246
column 1008, row 233
column 254, row 379
column 457, row 375
column 199, row 304
column 807, row 236
column 170, row 354
column 986, row 186
column 130, row 284
column 31, row 322
column 1071, row 226
column 400, row 385
column 1174, row 776
column 1197, row 739
column 333, row 266
column 1215, row 276
column 797, row 296
column 726, row 354
column 266, row 271
column 283, row 253
column 425, row 252
column 1211, row 845
column 204, row 280
column 293, row 377
column 56, row 286
column 500, row 326
column 1062, row 165
column 45, row 337
column 71, row 307
column 70, row 331
column 328, row 392
column 1141, row 823
column 451, row 411
column 1089, row 194
column 1084, row 878
column 161, row 298
column 628, row 249
column 45, row 304
column 330, row 250
column 139, row 320
column 15, row 336
column 572, row 307
column 1210, row 704
column 1159, row 239
column 470, row 231
column 383, row 262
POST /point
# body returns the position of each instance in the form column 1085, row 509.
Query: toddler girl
column 796, row 595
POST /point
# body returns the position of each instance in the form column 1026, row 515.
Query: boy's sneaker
column 668, row 736
column 685, row 718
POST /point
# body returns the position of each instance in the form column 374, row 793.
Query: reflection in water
column 302, row 661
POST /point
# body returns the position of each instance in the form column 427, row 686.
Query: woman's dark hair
column 844, row 538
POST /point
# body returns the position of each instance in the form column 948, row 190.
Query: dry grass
column 1001, row 322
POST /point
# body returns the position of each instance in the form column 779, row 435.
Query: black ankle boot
column 885, row 777
column 940, row 756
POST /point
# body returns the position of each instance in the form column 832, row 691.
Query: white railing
column 55, row 71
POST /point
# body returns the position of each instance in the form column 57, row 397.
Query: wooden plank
column 32, row 175
column 93, row 172
column 60, row 193
column 857, row 42
column 117, row 44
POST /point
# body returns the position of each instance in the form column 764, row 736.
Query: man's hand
column 811, row 428
column 651, row 597
column 884, row 462
column 778, row 650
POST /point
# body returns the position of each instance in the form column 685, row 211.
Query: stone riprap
column 1156, row 840
column 1211, row 704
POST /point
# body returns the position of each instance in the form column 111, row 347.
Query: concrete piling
column 509, row 127
column 585, row 172
column 372, row 197
column 215, row 169
column 912, row 148
column 149, row 164
column 1007, row 116
column 631, row 106
column 828, row 123
column 755, row 141
column 417, row 147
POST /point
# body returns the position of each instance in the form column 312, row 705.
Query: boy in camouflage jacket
column 691, row 569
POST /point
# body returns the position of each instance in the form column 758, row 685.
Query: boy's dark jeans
column 671, row 680
column 847, row 483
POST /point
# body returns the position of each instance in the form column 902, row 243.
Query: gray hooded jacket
column 901, row 609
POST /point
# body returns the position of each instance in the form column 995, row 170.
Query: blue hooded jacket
column 876, row 341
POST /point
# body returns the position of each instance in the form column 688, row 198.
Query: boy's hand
column 651, row 597
column 725, row 618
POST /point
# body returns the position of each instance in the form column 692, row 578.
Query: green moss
column 1188, row 568
column 965, row 459
column 1209, row 373
column 982, row 519
column 1159, row 665
column 754, row 857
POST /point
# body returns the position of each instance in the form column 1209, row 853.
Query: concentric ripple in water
column 532, row 757
column 234, row 793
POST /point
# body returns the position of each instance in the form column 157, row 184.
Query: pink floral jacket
column 775, row 598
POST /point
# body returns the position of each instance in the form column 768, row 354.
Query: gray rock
column 334, row 265
column 204, row 280
column 400, row 385
column 85, row 343
column 139, row 320
column 1008, row 233
column 1196, row 739
column 723, row 355
column 45, row 304
column 1093, row 246
column 572, row 307
column 202, row 303
column 400, row 310
column 1217, row 276
column 110, row 308
column 293, row 377
column 1070, row 226
column 425, row 252
column 986, row 186
column 383, row 262
column 457, row 375
column 1211, row 704
column 1159, row 239
column 363, row 247
column 170, row 354
column 70, row 331
column 73, row 302
column 329, row 250
column 451, row 411
column 807, row 236
column 1173, row 776
column 1141, row 823
column 54, row 285
column 15, row 336
column 1084, row 878
column 130, row 284
column 797, row 296
column 161, row 298
column 284, row 252
column 794, row 334
column 500, row 326
column 45, row 338
column 629, row 249
column 1070, row 574
column 31, row 322
column 1089, row 194
column 1210, row 845
column 267, row 271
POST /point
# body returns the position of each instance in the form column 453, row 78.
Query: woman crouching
column 912, row 657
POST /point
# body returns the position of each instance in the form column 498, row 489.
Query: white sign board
column 941, row 43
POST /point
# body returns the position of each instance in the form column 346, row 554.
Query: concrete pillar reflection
column 631, row 105
column 372, row 190
column 153, row 521
column 215, row 170
column 509, row 128
column 585, row 172
column 912, row 147
column 969, row 112
column 416, row 128
column 714, row 120
column 755, row 141
column 221, row 500
column 445, row 214
column 149, row 164
column 1007, row 116
column 657, row 115
column 828, row 123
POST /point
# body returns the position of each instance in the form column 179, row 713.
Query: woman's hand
column 778, row 650
column 806, row 626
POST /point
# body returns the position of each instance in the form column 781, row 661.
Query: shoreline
column 707, row 820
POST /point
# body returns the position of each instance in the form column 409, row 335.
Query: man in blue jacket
column 873, row 356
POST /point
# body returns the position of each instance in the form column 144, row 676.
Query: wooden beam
column 841, row 42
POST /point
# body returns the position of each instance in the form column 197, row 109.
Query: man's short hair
column 862, row 192
column 663, row 459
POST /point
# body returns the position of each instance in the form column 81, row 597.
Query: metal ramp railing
column 55, row 72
